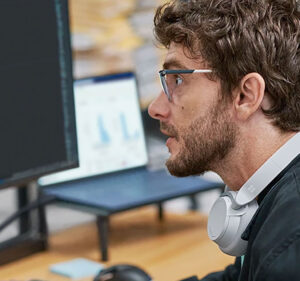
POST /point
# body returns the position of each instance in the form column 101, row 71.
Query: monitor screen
column 109, row 128
column 37, row 119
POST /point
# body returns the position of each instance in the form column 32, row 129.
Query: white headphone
column 233, row 211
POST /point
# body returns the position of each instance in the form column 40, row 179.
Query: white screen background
column 109, row 129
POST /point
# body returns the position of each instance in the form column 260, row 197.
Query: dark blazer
column 273, row 252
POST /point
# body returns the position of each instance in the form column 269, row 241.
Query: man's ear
column 249, row 95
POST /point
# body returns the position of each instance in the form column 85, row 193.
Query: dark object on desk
column 122, row 272
column 33, row 205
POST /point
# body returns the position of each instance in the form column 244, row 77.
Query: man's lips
column 167, row 134
column 169, row 141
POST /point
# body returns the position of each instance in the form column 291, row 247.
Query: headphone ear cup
column 233, row 211
column 226, row 225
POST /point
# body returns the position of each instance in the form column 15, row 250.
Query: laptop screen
column 109, row 128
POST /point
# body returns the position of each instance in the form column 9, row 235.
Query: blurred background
column 110, row 36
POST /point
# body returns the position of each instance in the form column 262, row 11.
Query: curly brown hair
column 237, row 37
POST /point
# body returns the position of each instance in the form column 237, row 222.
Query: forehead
column 179, row 57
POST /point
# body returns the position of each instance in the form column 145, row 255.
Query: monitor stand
column 27, row 242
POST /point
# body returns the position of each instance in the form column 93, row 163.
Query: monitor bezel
column 66, row 71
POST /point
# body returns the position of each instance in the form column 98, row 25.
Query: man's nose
column 160, row 108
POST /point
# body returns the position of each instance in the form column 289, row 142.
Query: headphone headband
column 270, row 169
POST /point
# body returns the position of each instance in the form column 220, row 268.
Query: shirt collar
column 263, row 198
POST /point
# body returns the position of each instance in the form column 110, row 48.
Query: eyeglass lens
column 169, row 83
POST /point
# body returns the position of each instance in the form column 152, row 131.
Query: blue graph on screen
column 124, row 126
column 125, row 130
column 106, row 134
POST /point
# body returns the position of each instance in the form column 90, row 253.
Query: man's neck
column 249, row 154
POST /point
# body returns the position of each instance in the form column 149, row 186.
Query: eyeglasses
column 170, row 81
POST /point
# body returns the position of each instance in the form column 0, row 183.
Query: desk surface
column 169, row 251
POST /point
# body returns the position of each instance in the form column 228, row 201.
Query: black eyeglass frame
column 162, row 75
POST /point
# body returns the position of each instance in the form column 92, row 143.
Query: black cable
column 33, row 205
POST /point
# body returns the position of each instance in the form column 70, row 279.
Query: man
column 234, row 112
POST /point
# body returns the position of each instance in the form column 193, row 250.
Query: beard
column 204, row 143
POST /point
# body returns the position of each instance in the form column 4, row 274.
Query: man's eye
column 179, row 80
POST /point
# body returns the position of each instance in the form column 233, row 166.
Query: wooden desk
column 169, row 250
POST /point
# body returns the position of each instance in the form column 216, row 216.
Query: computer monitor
column 109, row 128
column 37, row 119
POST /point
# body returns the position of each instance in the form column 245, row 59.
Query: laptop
column 110, row 131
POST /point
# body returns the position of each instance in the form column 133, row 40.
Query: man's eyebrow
column 174, row 64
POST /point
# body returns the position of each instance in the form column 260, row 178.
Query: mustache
column 169, row 129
